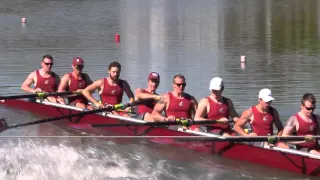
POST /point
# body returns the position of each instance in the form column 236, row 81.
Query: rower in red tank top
column 48, row 84
column 262, row 123
column 216, row 107
column 112, row 94
column 76, row 81
column 305, row 123
column 307, row 128
column 261, row 117
column 175, row 104
column 110, row 89
column 149, row 95
column 43, row 79
column 148, row 106
column 179, row 107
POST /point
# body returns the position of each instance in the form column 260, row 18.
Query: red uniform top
column 262, row 123
column 179, row 108
column 112, row 94
column 76, row 84
column 147, row 106
column 217, row 111
column 47, row 84
column 306, row 128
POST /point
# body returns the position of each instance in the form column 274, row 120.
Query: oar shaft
column 40, row 95
column 115, row 107
column 167, row 123
column 59, row 118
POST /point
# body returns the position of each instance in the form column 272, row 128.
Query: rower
column 261, row 117
column 43, row 79
column 175, row 104
column 305, row 123
column 144, row 110
column 76, row 81
column 216, row 107
column 110, row 89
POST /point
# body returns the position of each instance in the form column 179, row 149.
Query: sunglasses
column 180, row 84
column 47, row 64
column 310, row 108
column 155, row 80
column 79, row 66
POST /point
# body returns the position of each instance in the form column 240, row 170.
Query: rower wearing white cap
column 261, row 117
column 216, row 107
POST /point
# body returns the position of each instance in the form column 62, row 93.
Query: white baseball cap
column 216, row 83
column 266, row 95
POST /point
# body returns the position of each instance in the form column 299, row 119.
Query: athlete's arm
column 159, row 108
column 290, row 126
column 27, row 83
column 87, row 92
column 245, row 117
column 201, row 110
column 64, row 83
column 63, row 86
column 139, row 94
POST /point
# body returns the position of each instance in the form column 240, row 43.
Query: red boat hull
column 244, row 152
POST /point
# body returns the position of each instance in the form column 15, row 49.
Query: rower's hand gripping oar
column 41, row 95
column 4, row 126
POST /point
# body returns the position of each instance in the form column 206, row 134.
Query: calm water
column 200, row 39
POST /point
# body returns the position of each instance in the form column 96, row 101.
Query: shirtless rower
column 216, row 107
column 261, row 118
column 76, row 81
column 110, row 89
column 305, row 123
column 175, row 104
column 43, row 79
column 144, row 110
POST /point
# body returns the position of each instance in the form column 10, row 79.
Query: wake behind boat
column 286, row 159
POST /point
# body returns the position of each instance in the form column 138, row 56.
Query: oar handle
column 122, row 106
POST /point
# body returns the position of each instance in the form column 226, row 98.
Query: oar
column 183, row 122
column 38, row 95
column 4, row 126
column 270, row 139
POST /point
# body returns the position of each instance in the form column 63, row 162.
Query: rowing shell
column 286, row 159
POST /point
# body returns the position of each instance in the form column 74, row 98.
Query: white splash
column 40, row 160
